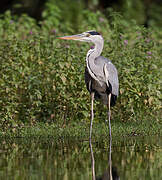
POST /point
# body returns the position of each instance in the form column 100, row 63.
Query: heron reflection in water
column 110, row 173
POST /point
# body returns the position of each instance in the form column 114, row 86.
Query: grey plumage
column 101, row 76
column 101, row 92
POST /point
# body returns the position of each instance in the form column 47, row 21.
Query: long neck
column 90, row 59
column 94, row 53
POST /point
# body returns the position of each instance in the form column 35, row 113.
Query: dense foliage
column 42, row 78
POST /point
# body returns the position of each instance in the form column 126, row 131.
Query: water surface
column 135, row 158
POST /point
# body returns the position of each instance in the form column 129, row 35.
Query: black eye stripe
column 93, row 33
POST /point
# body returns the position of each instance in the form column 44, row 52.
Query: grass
column 81, row 130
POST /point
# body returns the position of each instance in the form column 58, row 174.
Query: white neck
column 90, row 59
column 94, row 53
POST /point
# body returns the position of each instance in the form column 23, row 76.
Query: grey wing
column 109, row 74
column 113, row 78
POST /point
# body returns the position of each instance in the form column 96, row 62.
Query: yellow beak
column 73, row 37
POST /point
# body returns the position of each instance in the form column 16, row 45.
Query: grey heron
column 101, row 76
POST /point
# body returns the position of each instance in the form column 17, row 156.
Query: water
column 135, row 158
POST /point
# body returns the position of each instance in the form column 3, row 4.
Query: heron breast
column 99, row 87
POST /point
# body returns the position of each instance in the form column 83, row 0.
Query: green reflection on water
column 133, row 158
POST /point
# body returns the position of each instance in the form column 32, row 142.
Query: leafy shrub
column 41, row 77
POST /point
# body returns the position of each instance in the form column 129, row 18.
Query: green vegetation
column 80, row 130
column 42, row 78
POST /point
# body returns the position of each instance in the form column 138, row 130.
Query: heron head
column 89, row 36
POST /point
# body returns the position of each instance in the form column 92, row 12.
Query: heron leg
column 93, row 161
column 109, row 114
column 92, row 115
column 110, row 162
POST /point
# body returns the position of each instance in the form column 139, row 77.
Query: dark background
column 146, row 12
